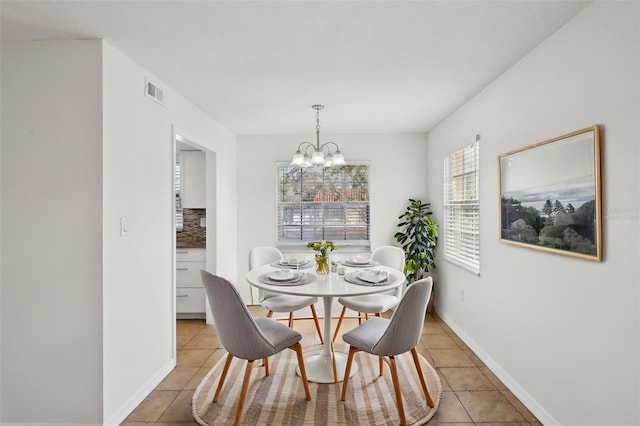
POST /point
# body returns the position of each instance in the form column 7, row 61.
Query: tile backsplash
column 192, row 231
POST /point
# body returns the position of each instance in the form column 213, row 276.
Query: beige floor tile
column 489, row 406
column 195, row 380
column 180, row 409
column 203, row 341
column 436, row 422
column 441, row 340
column 450, row 358
column 450, row 410
column 528, row 416
column 208, row 329
column 461, row 344
column 193, row 357
column 466, row 378
column 153, row 406
column 477, row 361
column 432, row 328
column 190, row 326
column 443, row 381
column 182, row 339
column 504, row 424
column 214, row 358
column 178, row 378
column 494, row 379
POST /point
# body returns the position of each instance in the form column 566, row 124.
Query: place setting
column 369, row 277
column 292, row 263
column 286, row 277
column 359, row 261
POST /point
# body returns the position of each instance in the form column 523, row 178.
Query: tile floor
column 472, row 394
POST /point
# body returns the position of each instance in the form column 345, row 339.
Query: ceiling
column 256, row 67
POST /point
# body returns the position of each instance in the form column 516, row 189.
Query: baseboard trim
column 118, row 417
column 532, row 405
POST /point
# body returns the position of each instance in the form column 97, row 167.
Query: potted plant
column 418, row 237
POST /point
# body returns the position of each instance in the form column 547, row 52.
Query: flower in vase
column 322, row 248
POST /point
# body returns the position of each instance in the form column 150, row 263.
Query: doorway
column 194, row 224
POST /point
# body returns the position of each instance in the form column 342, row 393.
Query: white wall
column 138, row 184
column 51, row 306
column 87, row 315
column 397, row 172
column 562, row 332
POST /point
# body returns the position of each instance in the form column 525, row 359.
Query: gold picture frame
column 550, row 195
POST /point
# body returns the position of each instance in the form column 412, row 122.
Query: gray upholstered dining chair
column 246, row 337
column 390, row 337
column 392, row 257
column 272, row 302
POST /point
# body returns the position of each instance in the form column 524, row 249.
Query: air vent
column 152, row 91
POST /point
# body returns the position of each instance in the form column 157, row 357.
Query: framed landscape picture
column 550, row 195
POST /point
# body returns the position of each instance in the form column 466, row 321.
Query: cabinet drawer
column 188, row 274
column 190, row 300
column 190, row 255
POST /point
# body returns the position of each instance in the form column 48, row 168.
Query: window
column 462, row 208
column 317, row 203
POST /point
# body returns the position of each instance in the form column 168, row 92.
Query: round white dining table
column 320, row 364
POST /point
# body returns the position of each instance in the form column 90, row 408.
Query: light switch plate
column 124, row 227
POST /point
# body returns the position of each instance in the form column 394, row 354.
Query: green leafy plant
column 418, row 237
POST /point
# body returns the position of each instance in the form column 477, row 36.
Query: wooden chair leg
column 333, row 364
column 335, row 333
column 345, row 381
column 380, row 364
column 396, row 387
column 265, row 361
column 360, row 318
column 290, row 319
column 223, row 376
column 315, row 319
column 303, row 373
column 243, row 392
column 416, row 361
column 378, row 314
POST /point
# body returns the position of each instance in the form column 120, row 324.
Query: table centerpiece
column 322, row 250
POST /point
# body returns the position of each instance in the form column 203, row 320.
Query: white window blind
column 317, row 203
column 461, row 234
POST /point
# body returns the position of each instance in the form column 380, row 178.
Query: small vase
column 322, row 264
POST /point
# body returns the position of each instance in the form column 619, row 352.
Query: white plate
column 282, row 275
column 294, row 262
column 359, row 260
column 373, row 276
column 360, row 265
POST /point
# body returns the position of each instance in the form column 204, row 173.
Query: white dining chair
column 395, row 336
column 392, row 257
column 272, row 302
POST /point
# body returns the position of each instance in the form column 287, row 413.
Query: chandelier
column 318, row 157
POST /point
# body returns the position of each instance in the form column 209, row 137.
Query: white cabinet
column 192, row 192
column 190, row 295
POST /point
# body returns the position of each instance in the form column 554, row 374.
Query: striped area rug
column 278, row 399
